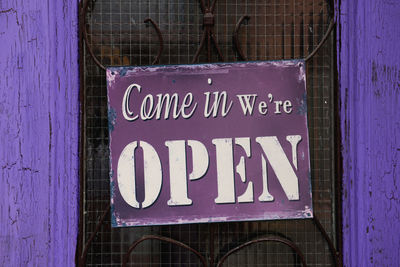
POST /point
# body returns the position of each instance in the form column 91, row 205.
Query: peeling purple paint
column 112, row 119
column 369, row 75
column 39, row 114
column 302, row 105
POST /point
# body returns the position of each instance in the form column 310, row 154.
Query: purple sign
column 208, row 143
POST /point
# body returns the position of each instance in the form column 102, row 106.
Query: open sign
column 208, row 143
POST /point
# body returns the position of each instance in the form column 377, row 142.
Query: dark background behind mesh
column 277, row 30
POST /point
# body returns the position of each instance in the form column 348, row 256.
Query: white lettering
column 278, row 105
column 178, row 169
column 126, row 112
column 152, row 174
column 281, row 165
column 148, row 100
column 287, row 106
column 169, row 100
column 177, row 173
column 247, row 196
column 225, row 175
column 246, row 106
column 294, row 140
column 200, row 159
column 262, row 108
column 186, row 104
column 215, row 106
column 265, row 196
column 273, row 154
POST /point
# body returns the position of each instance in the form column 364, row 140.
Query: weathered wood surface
column 369, row 75
column 39, row 132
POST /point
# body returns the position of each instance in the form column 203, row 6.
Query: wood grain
column 39, row 115
column 369, row 76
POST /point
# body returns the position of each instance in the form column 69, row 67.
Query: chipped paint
column 215, row 68
column 111, row 74
column 113, row 216
column 369, row 76
column 118, row 222
column 302, row 105
column 302, row 71
column 112, row 118
column 39, row 118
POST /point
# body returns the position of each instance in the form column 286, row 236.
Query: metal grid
column 276, row 30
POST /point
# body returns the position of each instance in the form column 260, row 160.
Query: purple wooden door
column 39, row 128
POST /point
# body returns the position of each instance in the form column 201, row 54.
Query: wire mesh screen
column 285, row 29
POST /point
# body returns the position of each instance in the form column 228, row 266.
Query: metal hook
column 86, row 38
column 160, row 39
column 82, row 258
column 236, row 37
column 323, row 40
column 89, row 47
column 331, row 7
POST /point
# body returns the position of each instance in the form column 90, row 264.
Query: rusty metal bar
column 203, row 39
column 160, row 40
column 164, row 239
column 310, row 56
column 208, row 46
column 202, row 6
column 323, row 40
column 221, row 57
column 236, row 37
column 281, row 240
column 86, row 38
column 208, row 25
column 213, row 6
column 89, row 47
column 82, row 261
column 335, row 254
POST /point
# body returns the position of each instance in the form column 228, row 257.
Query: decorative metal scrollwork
column 208, row 10
column 90, row 50
column 270, row 238
column 208, row 33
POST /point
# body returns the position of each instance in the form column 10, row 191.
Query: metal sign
column 208, row 143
